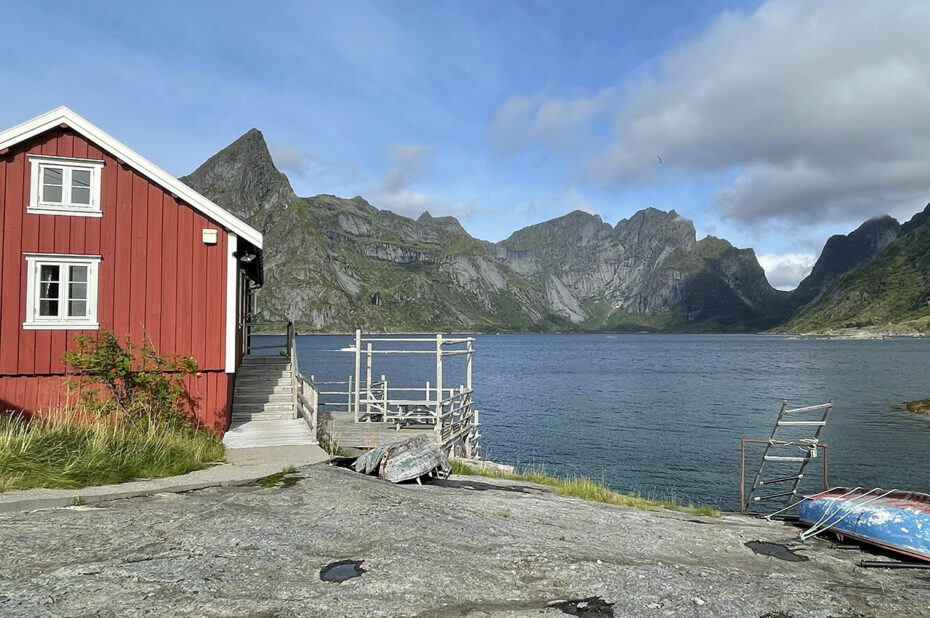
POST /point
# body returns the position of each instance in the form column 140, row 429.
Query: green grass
column 65, row 452
column 586, row 489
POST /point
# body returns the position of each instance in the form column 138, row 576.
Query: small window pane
column 52, row 179
column 80, row 195
column 48, row 307
column 48, row 289
column 78, row 273
column 53, row 176
column 77, row 291
column 80, row 178
column 51, row 194
column 77, row 308
column 48, row 272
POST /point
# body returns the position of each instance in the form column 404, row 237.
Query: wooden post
column 349, row 399
column 476, row 454
column 315, row 411
column 358, row 368
column 292, row 353
column 368, row 382
column 469, row 350
column 384, row 396
column 438, row 429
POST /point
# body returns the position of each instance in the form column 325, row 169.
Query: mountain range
column 335, row 264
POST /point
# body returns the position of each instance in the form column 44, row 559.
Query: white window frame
column 39, row 206
column 34, row 263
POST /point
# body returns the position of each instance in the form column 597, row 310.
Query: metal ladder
column 806, row 444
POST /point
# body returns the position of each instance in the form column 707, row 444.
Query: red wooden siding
column 210, row 393
column 157, row 279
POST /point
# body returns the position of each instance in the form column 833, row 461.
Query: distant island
column 338, row 264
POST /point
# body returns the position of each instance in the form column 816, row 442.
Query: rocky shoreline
column 466, row 546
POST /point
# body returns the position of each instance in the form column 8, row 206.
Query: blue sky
column 778, row 123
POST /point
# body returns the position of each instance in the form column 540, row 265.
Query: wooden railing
column 267, row 330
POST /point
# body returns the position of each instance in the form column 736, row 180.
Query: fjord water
column 663, row 414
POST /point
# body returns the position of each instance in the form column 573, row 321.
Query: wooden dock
column 363, row 412
column 345, row 432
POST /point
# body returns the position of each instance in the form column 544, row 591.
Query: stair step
column 269, row 388
column 254, row 378
column 265, row 360
column 264, row 416
column 262, row 407
column 250, row 398
column 251, row 372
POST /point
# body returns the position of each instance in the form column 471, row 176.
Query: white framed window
column 61, row 291
column 64, row 186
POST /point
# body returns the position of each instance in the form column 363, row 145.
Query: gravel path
column 465, row 547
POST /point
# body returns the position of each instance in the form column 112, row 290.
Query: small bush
column 139, row 384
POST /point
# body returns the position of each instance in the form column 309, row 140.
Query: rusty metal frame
column 743, row 507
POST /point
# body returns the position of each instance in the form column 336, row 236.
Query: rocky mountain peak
column 242, row 177
column 651, row 227
column 916, row 221
column 448, row 222
column 843, row 253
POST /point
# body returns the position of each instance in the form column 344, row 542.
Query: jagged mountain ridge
column 844, row 253
column 891, row 291
column 334, row 264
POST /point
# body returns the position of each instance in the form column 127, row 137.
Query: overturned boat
column 405, row 460
column 894, row 520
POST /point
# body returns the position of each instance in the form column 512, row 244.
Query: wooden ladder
column 788, row 419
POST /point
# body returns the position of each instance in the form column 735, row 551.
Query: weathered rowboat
column 405, row 460
column 895, row 520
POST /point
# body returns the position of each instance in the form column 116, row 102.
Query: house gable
column 62, row 117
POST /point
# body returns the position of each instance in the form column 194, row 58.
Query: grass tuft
column 586, row 489
column 67, row 451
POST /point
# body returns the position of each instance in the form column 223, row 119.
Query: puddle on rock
column 775, row 550
column 592, row 607
column 342, row 570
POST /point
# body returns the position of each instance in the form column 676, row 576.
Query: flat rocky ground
column 464, row 547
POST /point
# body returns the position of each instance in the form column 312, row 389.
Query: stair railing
column 292, row 353
column 305, row 397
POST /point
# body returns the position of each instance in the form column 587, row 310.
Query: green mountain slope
column 892, row 291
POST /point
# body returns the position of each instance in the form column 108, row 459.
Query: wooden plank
column 169, row 274
column 107, row 244
column 198, row 316
column 18, row 236
column 122, row 252
column 153, row 278
column 215, row 303
column 137, row 256
column 184, row 274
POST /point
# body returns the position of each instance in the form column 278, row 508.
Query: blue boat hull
column 899, row 521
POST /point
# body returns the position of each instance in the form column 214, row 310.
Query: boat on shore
column 898, row 521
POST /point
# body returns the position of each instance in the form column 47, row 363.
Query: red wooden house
column 95, row 237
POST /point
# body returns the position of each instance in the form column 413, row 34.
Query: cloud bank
column 407, row 163
column 814, row 110
column 786, row 270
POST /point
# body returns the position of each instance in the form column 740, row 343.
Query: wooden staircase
column 264, row 390
column 265, row 410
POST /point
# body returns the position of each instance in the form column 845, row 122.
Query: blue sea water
column 663, row 415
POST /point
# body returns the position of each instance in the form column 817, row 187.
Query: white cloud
column 786, row 270
column 559, row 123
column 817, row 109
column 406, row 164
column 294, row 160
